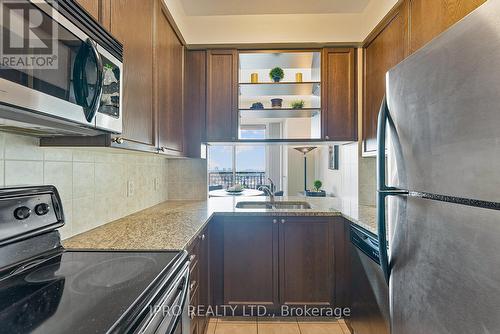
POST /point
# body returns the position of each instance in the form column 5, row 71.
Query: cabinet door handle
column 192, row 285
column 118, row 140
column 282, row 221
column 275, row 221
column 327, row 137
column 201, row 237
column 192, row 257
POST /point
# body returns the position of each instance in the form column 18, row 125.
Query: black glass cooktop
column 78, row 291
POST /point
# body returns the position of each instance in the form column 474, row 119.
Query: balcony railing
column 250, row 180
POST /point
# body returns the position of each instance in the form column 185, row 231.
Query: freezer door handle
column 382, row 189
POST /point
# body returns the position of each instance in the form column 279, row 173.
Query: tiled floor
column 276, row 326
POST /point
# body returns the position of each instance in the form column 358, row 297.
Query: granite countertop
column 364, row 216
column 173, row 224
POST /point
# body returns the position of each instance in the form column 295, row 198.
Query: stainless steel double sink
column 280, row 205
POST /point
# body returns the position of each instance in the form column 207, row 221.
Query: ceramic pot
column 276, row 103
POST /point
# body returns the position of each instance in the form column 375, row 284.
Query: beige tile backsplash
column 187, row 179
column 93, row 182
column 367, row 181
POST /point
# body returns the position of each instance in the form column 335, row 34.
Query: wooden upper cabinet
column 132, row 23
column 306, row 262
column 406, row 29
column 222, row 95
column 429, row 18
column 338, row 95
column 250, row 264
column 169, row 72
column 195, row 101
column 91, row 6
column 385, row 50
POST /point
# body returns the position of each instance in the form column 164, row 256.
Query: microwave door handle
column 88, row 49
column 96, row 99
column 382, row 189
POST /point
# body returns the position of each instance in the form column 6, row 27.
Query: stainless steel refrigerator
column 439, row 205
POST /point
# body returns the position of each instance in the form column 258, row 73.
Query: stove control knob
column 42, row 209
column 22, row 212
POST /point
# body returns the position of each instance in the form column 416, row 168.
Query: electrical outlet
column 130, row 188
column 157, row 184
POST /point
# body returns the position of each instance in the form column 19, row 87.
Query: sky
column 248, row 158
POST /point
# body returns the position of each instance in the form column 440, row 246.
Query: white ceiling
column 207, row 22
column 262, row 7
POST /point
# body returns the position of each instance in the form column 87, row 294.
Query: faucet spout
column 268, row 192
column 273, row 188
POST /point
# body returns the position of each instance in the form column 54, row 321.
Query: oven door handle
column 182, row 289
column 88, row 49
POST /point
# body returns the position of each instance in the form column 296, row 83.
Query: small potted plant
column 277, row 74
column 299, row 104
column 317, row 192
column 257, row 105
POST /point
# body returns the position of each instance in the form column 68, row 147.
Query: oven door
column 51, row 69
column 168, row 314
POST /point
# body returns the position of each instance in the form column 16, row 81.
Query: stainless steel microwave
column 61, row 73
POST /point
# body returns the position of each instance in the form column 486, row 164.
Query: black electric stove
column 45, row 288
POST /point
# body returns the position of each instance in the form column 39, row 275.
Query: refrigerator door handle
column 382, row 189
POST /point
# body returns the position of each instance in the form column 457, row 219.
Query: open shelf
column 278, row 113
column 285, row 123
column 280, row 89
column 280, row 83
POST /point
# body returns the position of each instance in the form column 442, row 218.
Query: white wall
column 93, row 183
column 341, row 183
column 332, row 179
column 294, row 162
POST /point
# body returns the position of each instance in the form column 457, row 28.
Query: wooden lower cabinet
column 249, row 262
column 306, row 261
column 275, row 261
column 199, row 284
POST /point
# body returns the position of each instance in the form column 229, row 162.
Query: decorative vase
column 298, row 77
column 276, row 79
column 276, row 103
column 254, row 77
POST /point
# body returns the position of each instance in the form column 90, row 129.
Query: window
column 252, row 132
column 229, row 165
